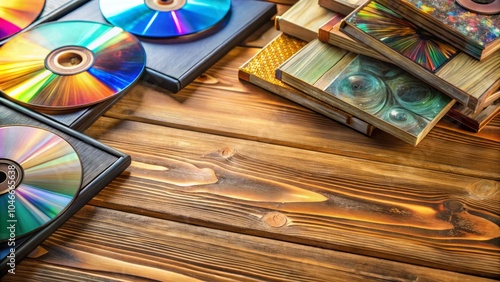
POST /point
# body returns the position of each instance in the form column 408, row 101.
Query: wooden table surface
column 230, row 182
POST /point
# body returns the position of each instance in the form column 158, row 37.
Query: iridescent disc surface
column 139, row 18
column 113, row 60
column 48, row 173
column 15, row 15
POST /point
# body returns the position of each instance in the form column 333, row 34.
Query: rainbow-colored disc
column 40, row 176
column 16, row 15
column 62, row 66
column 164, row 18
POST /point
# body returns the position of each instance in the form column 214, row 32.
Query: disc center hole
column 11, row 175
column 483, row 1
column 164, row 2
column 3, row 176
column 165, row 5
column 69, row 59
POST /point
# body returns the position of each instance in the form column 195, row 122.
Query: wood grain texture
column 330, row 31
column 105, row 245
column 491, row 131
column 265, row 190
column 421, row 216
column 304, row 19
column 474, row 121
column 479, row 79
column 267, row 32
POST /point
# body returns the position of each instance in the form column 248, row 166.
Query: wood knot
column 206, row 79
column 275, row 219
column 484, row 189
column 454, row 206
column 227, row 153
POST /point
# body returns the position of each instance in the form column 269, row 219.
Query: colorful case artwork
column 481, row 29
column 460, row 22
column 389, row 94
column 403, row 36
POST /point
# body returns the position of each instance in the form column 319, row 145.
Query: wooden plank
column 397, row 212
column 105, row 245
column 267, row 32
column 218, row 103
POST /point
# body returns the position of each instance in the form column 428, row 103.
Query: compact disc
column 487, row 7
column 40, row 176
column 16, row 15
column 62, row 66
column 164, row 18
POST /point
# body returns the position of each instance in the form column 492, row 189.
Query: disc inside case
column 100, row 164
column 172, row 63
column 79, row 119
